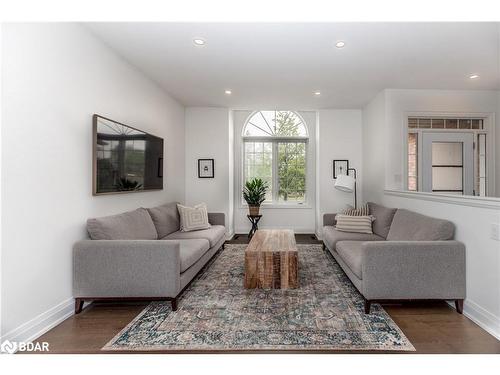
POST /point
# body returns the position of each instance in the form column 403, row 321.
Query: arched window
column 275, row 149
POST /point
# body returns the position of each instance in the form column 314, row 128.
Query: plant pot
column 254, row 210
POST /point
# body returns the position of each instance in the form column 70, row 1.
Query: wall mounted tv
column 125, row 159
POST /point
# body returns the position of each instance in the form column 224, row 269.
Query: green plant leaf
column 254, row 191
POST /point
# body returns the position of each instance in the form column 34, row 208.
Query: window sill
column 462, row 200
column 274, row 206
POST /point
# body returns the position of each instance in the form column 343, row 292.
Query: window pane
column 481, row 165
column 289, row 124
column 285, row 159
column 291, row 171
column 412, row 183
column 447, row 153
column 447, row 167
column 275, row 123
column 447, row 179
column 412, row 123
column 412, row 161
column 258, row 163
column 451, row 124
column 437, row 123
column 249, row 147
column 464, row 124
column 424, row 123
column 477, row 124
column 412, row 165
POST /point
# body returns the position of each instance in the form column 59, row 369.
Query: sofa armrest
column 413, row 270
column 329, row 219
column 217, row 218
column 142, row 268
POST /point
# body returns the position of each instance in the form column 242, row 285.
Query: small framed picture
column 340, row 167
column 206, row 168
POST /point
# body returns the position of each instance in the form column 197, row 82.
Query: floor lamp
column 347, row 184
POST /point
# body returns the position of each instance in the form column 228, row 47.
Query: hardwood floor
column 432, row 327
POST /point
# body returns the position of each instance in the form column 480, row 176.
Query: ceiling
column 281, row 65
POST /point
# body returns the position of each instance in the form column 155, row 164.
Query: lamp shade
column 345, row 183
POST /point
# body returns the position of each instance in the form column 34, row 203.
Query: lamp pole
column 355, row 194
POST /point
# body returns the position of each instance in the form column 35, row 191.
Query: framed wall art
column 206, row 168
column 340, row 167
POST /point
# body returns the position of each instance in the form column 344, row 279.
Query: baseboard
column 483, row 318
column 229, row 235
column 42, row 323
column 319, row 235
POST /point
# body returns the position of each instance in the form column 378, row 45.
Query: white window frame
column 275, row 140
column 488, row 129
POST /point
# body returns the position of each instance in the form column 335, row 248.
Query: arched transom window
column 275, row 149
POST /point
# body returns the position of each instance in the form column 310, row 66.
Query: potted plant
column 254, row 194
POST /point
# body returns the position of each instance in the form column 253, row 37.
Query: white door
column 448, row 163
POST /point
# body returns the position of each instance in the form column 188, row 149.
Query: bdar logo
column 8, row 347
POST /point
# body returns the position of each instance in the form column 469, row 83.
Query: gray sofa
column 409, row 256
column 142, row 254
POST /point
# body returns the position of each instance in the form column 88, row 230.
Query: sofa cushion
column 331, row 236
column 165, row 218
column 132, row 225
column 191, row 251
column 354, row 224
column 212, row 234
column 352, row 255
column 410, row 226
column 193, row 218
column 364, row 210
column 383, row 218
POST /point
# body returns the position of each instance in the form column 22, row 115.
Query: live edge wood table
column 271, row 260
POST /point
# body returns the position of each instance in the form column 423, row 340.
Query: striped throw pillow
column 193, row 218
column 361, row 211
column 355, row 224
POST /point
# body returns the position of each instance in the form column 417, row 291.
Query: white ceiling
column 271, row 65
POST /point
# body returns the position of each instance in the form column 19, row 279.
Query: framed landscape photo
column 340, row 167
column 206, row 168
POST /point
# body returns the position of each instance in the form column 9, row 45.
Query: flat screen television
column 126, row 159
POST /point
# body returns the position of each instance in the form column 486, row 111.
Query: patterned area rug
column 217, row 313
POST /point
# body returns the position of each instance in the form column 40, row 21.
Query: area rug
column 216, row 313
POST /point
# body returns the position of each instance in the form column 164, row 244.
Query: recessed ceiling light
column 474, row 76
column 317, row 93
column 340, row 44
column 199, row 41
column 228, row 92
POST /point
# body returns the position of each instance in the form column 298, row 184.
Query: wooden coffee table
column 271, row 260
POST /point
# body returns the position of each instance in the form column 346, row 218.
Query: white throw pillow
column 193, row 218
column 355, row 224
column 361, row 211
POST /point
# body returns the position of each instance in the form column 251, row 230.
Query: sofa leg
column 78, row 305
column 223, row 246
column 324, row 247
column 367, row 306
column 459, row 305
column 174, row 304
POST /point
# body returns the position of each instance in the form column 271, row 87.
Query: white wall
column 399, row 102
column 339, row 137
column 472, row 226
column 333, row 134
column 497, row 143
column 54, row 77
column 301, row 220
column 383, row 129
column 374, row 148
column 209, row 136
